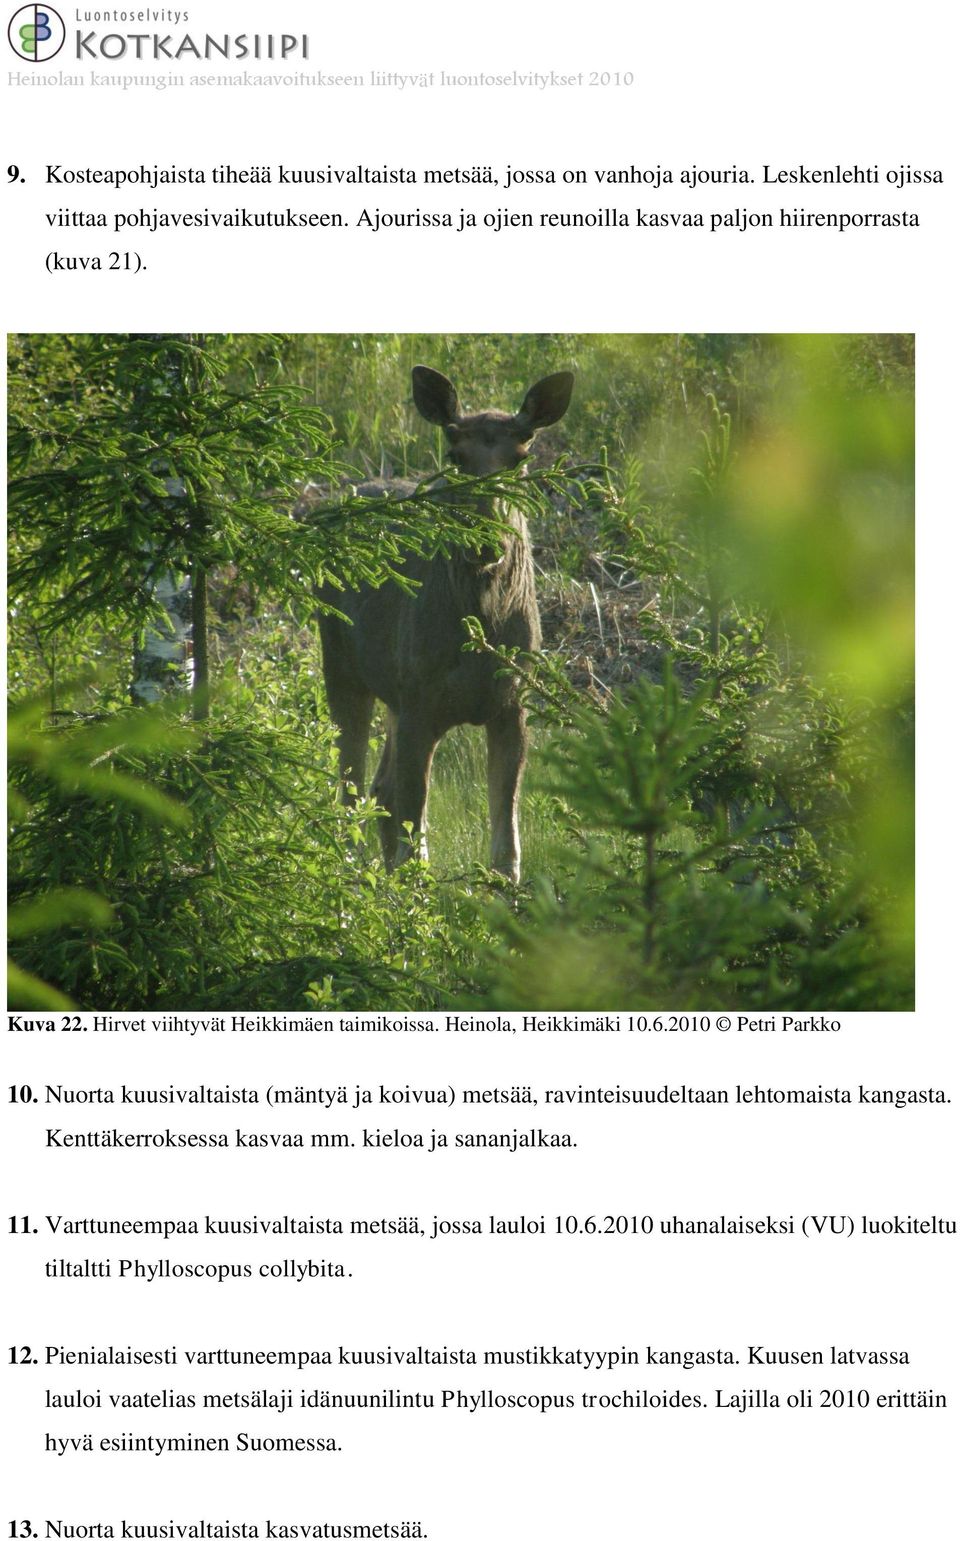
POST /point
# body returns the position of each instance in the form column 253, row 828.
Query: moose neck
column 506, row 547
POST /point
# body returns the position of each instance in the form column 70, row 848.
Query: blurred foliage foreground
column 718, row 811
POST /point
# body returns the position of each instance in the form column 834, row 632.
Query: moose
column 406, row 649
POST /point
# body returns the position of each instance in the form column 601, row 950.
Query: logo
column 36, row 32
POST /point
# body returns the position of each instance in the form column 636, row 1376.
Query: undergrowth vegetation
column 718, row 808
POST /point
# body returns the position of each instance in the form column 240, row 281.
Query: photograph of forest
column 673, row 573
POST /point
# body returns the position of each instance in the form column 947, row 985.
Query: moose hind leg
column 353, row 713
column 350, row 705
column 384, row 791
column 506, row 754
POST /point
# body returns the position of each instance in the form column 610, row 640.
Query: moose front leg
column 506, row 753
column 413, row 757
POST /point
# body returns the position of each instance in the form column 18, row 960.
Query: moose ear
column 435, row 396
column 546, row 402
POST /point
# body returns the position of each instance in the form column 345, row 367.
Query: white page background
column 826, row 85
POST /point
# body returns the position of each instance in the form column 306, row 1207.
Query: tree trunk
column 198, row 631
column 162, row 662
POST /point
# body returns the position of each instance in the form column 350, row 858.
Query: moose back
column 407, row 649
